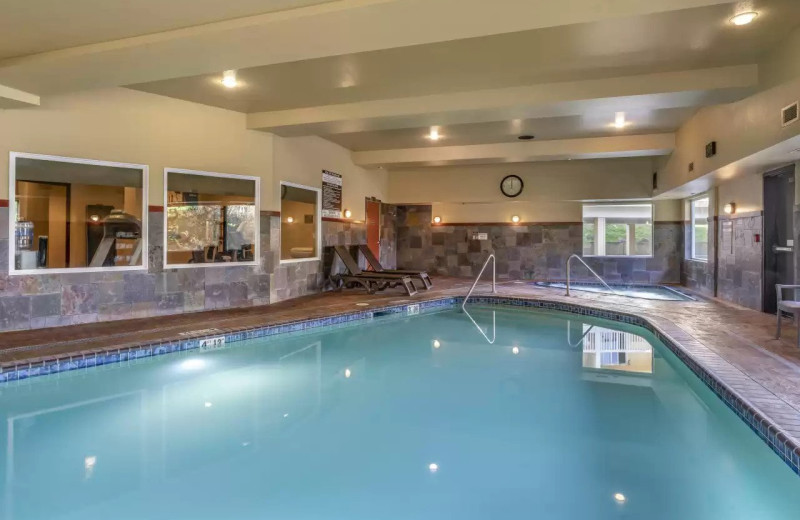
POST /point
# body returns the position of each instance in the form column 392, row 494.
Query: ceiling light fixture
column 434, row 134
column 437, row 220
column 515, row 219
column 744, row 18
column 619, row 120
column 229, row 79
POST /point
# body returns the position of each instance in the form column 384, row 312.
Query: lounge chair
column 371, row 281
column 376, row 265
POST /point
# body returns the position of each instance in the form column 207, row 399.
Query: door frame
column 774, row 172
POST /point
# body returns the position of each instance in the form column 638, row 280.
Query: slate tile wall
column 49, row 300
column 533, row 252
column 740, row 260
column 388, row 257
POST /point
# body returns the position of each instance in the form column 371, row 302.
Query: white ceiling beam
column 332, row 28
column 13, row 98
column 586, row 148
column 646, row 91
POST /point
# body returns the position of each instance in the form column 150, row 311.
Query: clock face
column 511, row 186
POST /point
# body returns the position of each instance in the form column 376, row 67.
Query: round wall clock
column 511, row 185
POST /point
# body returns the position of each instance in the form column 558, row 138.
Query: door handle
column 782, row 249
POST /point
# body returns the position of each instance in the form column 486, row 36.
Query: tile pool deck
column 735, row 344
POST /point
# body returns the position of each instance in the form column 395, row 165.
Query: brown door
column 374, row 227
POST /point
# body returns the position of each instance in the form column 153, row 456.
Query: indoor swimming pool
column 537, row 414
column 647, row 292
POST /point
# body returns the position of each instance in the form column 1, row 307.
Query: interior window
column 299, row 222
column 73, row 213
column 211, row 218
column 699, row 217
column 618, row 229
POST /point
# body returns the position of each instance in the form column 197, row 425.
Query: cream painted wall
column 553, row 191
column 302, row 159
column 123, row 125
column 747, row 191
column 782, row 63
column 741, row 129
column 127, row 126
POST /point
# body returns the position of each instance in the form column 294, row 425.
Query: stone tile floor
column 738, row 344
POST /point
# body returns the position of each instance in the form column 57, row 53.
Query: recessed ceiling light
column 619, row 120
column 744, row 18
column 526, row 137
column 229, row 79
column 434, row 134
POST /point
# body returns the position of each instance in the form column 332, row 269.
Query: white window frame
column 12, row 197
column 318, row 226
column 692, row 254
column 257, row 245
column 600, row 230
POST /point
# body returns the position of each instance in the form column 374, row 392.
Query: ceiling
column 568, row 127
column 376, row 75
column 63, row 24
column 671, row 41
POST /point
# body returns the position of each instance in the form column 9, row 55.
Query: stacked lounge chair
column 378, row 268
column 372, row 280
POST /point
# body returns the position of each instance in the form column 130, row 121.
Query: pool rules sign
column 331, row 194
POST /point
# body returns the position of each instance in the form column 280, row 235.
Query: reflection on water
column 608, row 349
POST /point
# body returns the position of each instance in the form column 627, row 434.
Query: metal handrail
column 477, row 279
column 590, row 270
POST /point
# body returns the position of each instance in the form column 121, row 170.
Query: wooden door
column 374, row 227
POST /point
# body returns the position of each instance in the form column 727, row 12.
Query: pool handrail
column 590, row 270
column 477, row 279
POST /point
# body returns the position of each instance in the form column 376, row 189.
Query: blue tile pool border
column 783, row 444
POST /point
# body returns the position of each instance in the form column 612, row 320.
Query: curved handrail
column 591, row 271
column 477, row 279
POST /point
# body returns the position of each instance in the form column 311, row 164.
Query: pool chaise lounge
column 376, row 265
column 371, row 281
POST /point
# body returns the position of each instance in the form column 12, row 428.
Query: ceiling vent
column 789, row 114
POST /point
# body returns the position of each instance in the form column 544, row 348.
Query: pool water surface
column 562, row 417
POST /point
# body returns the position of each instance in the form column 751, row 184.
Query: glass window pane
column 618, row 229
column 589, row 237
column 76, row 215
column 210, row 219
column 699, row 215
column 299, row 214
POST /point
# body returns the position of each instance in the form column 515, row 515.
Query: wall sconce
column 729, row 208
column 348, row 213
column 515, row 219
column 437, row 220
column 289, row 219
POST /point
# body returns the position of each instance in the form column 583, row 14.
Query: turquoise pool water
column 648, row 292
column 401, row 418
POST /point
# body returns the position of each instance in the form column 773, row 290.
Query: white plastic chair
column 790, row 306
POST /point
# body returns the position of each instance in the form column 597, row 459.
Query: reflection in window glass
column 299, row 214
column 699, row 211
column 210, row 218
column 609, row 349
column 71, row 214
column 618, row 230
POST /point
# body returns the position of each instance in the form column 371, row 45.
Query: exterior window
column 300, row 223
column 699, row 217
column 618, row 229
column 76, row 214
column 211, row 218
